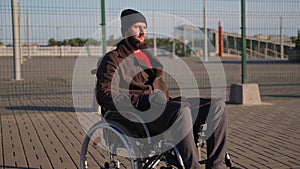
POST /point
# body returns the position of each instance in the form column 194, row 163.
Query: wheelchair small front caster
column 106, row 166
column 111, row 165
column 114, row 165
column 228, row 161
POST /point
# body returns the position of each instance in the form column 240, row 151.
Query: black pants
column 184, row 118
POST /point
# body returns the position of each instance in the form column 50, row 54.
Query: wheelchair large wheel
column 106, row 147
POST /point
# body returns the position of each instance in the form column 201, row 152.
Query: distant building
column 193, row 37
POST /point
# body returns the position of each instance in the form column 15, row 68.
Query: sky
column 65, row 19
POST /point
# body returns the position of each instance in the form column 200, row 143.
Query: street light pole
column 16, row 40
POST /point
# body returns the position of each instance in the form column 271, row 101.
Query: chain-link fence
column 49, row 51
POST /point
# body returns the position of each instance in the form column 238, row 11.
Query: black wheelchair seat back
column 134, row 129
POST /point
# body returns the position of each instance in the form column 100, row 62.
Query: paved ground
column 39, row 127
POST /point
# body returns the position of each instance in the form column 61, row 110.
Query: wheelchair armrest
column 93, row 71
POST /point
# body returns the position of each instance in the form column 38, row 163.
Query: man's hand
column 157, row 97
column 122, row 102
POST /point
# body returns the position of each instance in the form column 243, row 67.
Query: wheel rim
column 95, row 151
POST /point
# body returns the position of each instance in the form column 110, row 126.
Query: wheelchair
column 110, row 145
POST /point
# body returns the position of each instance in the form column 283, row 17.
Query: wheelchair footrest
column 227, row 161
column 202, row 162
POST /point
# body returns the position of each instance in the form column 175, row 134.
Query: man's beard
column 136, row 44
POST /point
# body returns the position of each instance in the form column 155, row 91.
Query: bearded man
column 130, row 78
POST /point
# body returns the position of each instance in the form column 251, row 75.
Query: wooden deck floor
column 40, row 129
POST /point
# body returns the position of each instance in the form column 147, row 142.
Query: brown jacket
column 120, row 72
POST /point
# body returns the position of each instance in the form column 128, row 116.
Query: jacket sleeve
column 108, row 92
column 105, row 72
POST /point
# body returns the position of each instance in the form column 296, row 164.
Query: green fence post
column 103, row 25
column 244, row 43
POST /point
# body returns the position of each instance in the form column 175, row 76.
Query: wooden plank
column 13, row 149
column 68, row 122
column 1, row 136
column 54, row 148
column 34, row 150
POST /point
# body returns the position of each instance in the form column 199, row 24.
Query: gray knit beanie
column 129, row 17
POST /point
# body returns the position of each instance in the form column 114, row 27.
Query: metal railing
column 269, row 54
column 53, row 51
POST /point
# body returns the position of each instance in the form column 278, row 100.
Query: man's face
column 136, row 35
